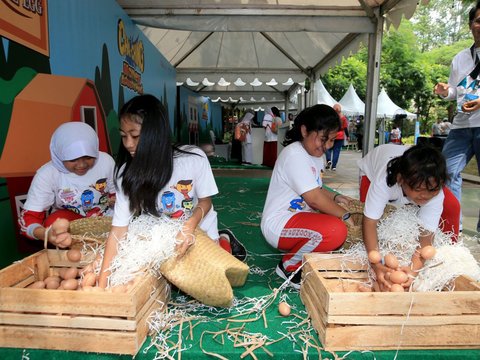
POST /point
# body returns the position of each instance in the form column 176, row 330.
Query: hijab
column 70, row 141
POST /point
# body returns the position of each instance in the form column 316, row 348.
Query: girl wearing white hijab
column 247, row 149
column 76, row 183
column 271, row 122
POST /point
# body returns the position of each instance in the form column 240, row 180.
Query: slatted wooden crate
column 347, row 319
column 103, row 322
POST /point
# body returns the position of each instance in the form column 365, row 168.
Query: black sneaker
column 294, row 281
column 238, row 250
column 329, row 165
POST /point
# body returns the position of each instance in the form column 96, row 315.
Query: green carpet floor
column 239, row 206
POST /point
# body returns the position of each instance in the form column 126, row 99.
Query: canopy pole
column 373, row 79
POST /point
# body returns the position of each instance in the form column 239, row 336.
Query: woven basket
column 206, row 272
column 355, row 208
column 91, row 230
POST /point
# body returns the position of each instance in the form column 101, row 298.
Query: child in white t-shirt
column 300, row 216
column 399, row 175
column 76, row 183
column 156, row 177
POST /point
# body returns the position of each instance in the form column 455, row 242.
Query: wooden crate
column 103, row 322
column 347, row 319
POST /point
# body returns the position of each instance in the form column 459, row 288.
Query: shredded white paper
column 149, row 242
column 398, row 234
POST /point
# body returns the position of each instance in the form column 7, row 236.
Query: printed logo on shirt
column 297, row 204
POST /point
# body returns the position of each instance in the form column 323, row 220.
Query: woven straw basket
column 90, row 230
column 206, row 272
column 355, row 208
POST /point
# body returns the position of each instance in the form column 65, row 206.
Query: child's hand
column 184, row 241
column 470, row 106
column 58, row 233
column 411, row 276
column 383, row 273
column 441, row 89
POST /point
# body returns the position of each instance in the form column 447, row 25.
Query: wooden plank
column 393, row 337
column 317, row 322
column 413, row 303
column 67, row 321
column 25, row 282
column 18, row 271
column 66, row 302
column 404, row 320
column 466, row 283
column 103, row 341
column 42, row 268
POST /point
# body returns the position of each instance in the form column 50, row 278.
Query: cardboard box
column 347, row 319
column 103, row 322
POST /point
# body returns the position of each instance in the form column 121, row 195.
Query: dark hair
column 315, row 118
column 275, row 111
column 471, row 13
column 147, row 173
column 420, row 164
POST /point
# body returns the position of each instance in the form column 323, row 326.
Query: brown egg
column 284, row 309
column 427, row 252
column 374, row 257
column 74, row 255
column 37, row 285
column 52, row 284
column 391, row 261
column 69, row 284
column 68, row 273
column 398, row 277
column 89, row 279
column 397, row 288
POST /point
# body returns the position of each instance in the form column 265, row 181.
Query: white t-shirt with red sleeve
column 374, row 167
column 295, row 173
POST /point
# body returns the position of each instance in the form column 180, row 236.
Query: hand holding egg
column 59, row 235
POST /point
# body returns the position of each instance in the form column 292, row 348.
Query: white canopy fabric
column 273, row 43
column 322, row 94
column 351, row 103
column 388, row 109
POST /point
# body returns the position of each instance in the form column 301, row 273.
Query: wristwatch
column 346, row 216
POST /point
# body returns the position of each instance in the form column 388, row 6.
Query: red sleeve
column 28, row 218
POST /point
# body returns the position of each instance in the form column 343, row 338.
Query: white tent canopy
column 276, row 44
column 388, row 109
column 322, row 94
column 351, row 103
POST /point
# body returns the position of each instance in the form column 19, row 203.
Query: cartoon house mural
column 45, row 103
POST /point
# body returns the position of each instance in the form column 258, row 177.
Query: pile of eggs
column 73, row 278
column 396, row 276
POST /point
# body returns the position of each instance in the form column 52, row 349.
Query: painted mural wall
column 88, row 39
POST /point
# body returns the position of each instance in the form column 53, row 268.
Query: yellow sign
column 25, row 22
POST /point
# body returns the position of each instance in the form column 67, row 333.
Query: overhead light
column 179, row 83
column 239, row 82
column 190, row 82
column 205, row 82
column 263, row 98
column 252, row 99
column 289, row 82
column 222, row 82
column 256, row 82
column 272, row 82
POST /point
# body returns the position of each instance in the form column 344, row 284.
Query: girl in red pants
column 399, row 175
